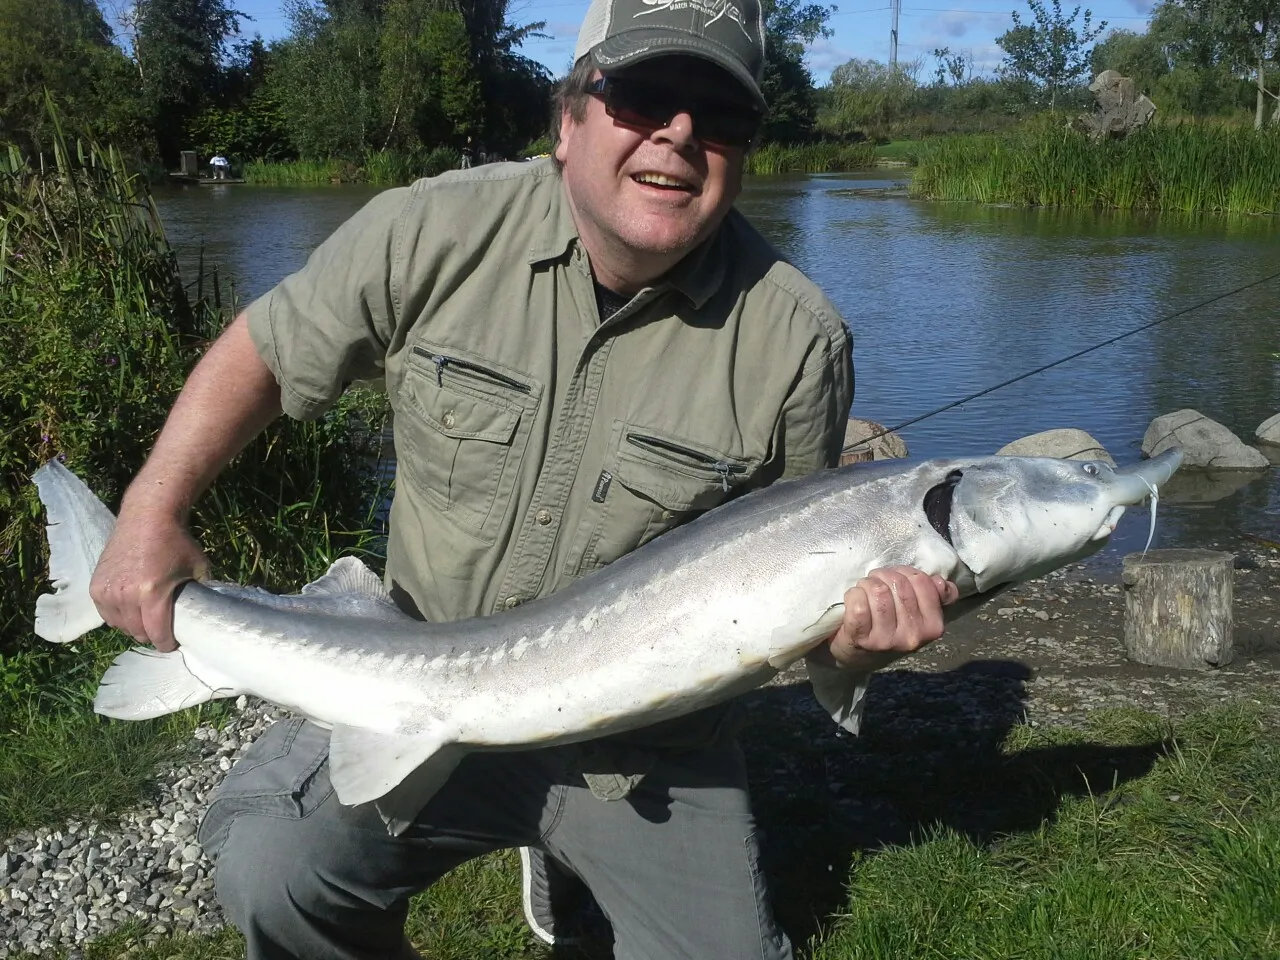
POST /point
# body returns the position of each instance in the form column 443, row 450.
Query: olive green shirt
column 534, row 443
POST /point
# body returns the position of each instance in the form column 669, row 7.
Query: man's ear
column 567, row 127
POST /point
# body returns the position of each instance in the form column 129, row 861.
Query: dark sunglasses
column 652, row 106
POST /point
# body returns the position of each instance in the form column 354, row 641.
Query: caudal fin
column 78, row 527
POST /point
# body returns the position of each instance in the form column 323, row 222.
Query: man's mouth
column 662, row 181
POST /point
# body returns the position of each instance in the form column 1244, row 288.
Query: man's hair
column 571, row 96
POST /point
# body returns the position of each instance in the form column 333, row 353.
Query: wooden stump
column 1177, row 608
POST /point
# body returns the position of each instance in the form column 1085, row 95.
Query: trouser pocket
column 285, row 773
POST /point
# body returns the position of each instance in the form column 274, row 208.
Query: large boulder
column 1121, row 111
column 868, row 440
column 1066, row 443
column 1269, row 430
column 1204, row 442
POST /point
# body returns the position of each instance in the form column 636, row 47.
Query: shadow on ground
column 929, row 756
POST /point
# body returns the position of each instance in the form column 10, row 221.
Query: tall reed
column 97, row 335
column 811, row 158
column 1182, row 167
column 378, row 166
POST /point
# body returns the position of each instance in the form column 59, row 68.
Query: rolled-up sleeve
column 331, row 322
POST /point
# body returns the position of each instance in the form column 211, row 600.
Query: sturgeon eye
column 1091, row 469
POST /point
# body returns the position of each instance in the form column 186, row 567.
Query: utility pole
column 893, row 34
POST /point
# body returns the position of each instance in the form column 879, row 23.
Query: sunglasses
column 652, row 106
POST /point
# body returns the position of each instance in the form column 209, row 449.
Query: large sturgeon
column 705, row 612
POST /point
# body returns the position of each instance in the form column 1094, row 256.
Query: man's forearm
column 229, row 398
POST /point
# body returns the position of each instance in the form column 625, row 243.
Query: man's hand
column 890, row 612
column 147, row 558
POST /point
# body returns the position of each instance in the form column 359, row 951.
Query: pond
column 946, row 300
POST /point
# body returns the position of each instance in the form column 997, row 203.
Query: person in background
column 219, row 166
column 581, row 353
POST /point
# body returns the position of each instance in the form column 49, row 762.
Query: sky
column 860, row 29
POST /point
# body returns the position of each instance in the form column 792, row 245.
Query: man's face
column 653, row 192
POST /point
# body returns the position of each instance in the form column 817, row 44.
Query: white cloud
column 822, row 56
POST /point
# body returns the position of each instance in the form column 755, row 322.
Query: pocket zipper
column 723, row 468
column 468, row 369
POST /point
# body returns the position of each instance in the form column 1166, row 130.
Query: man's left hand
column 890, row 612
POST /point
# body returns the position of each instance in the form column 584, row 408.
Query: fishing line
column 1079, row 353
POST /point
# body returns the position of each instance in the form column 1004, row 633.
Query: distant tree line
column 1198, row 58
column 349, row 78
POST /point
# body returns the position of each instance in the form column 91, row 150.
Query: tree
column 867, row 97
column 787, row 84
column 954, row 67
column 63, row 47
column 1049, row 53
column 180, row 48
column 1248, row 35
column 430, row 91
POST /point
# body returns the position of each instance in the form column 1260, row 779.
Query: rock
column 1121, row 109
column 1205, row 486
column 1067, row 443
column 1269, row 430
column 1204, row 442
column 868, row 440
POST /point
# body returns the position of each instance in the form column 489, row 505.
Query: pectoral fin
column 794, row 640
column 841, row 693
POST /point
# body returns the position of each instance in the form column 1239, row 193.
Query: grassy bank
column 97, row 336
column 1171, row 856
column 1184, row 167
column 811, row 158
column 381, row 167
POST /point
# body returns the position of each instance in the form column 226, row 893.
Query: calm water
column 945, row 300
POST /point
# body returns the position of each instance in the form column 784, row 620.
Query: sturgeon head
column 986, row 524
column 1015, row 518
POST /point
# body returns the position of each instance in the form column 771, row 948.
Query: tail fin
column 78, row 528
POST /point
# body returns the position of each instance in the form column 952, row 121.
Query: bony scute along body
column 645, row 639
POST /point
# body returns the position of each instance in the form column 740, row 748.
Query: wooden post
column 1177, row 608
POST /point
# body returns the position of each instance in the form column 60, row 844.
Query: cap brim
column 645, row 43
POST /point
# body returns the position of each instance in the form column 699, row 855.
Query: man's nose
column 678, row 132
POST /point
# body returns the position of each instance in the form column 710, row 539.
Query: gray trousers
column 674, row 866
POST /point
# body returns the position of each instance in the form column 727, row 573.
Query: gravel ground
column 1049, row 652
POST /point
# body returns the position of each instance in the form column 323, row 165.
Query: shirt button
column 511, row 602
column 543, row 517
column 449, row 420
column 668, row 514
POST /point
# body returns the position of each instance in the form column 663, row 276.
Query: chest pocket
column 654, row 482
column 461, row 432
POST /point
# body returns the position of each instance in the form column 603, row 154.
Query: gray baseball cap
column 729, row 33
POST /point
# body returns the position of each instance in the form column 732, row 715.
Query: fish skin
column 705, row 612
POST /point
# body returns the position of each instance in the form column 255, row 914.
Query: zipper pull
column 440, row 364
column 722, row 468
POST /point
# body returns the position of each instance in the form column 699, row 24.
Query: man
column 581, row 353
column 219, row 165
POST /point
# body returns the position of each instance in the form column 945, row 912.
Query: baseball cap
column 729, row 33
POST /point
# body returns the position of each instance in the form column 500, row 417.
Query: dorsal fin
column 347, row 589
column 346, row 575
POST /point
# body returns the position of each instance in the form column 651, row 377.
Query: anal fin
column 397, row 769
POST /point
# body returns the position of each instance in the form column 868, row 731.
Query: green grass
column 907, row 150
column 378, row 166
column 1134, row 839
column 810, row 158
column 98, row 332
column 1190, row 168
